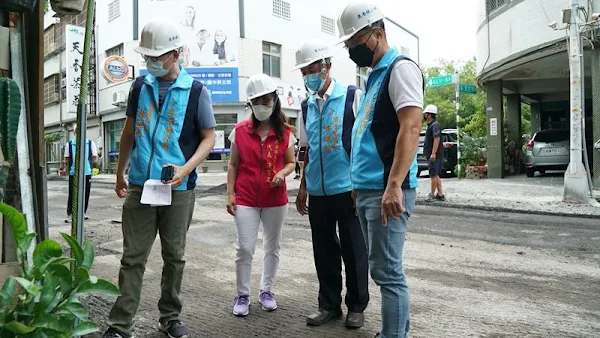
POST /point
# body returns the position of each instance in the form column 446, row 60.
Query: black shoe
column 174, row 329
column 355, row 320
column 323, row 316
column 440, row 197
column 112, row 333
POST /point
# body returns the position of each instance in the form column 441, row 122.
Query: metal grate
column 282, row 9
column 114, row 10
column 492, row 5
column 327, row 25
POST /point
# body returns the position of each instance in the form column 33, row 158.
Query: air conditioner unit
column 119, row 98
column 63, row 83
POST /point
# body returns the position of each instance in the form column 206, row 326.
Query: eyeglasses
column 358, row 39
column 154, row 58
column 262, row 100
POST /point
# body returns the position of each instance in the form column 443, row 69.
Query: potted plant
column 473, row 156
column 225, row 158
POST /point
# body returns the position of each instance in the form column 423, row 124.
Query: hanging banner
column 210, row 34
column 74, row 37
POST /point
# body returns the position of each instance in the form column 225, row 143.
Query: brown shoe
column 323, row 316
column 355, row 320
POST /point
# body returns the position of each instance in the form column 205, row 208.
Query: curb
column 420, row 202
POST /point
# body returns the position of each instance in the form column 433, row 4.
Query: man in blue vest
column 325, row 129
column 169, row 123
column 384, row 146
column 91, row 155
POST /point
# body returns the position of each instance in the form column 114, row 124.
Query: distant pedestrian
column 296, row 153
column 384, row 169
column 169, row 123
column 434, row 152
column 325, row 130
column 262, row 156
column 91, row 155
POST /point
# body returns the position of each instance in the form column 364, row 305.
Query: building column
column 536, row 119
column 596, row 114
column 495, row 121
column 513, row 118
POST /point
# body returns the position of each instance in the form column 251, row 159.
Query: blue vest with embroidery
column 328, row 134
column 164, row 136
column 375, row 131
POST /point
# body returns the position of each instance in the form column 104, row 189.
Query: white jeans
column 247, row 220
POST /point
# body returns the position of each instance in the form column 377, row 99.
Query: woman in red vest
column 262, row 155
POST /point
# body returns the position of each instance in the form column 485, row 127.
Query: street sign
column 468, row 89
column 440, row 81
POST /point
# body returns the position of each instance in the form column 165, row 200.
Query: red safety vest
column 258, row 163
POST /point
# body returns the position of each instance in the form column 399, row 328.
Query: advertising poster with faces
column 210, row 30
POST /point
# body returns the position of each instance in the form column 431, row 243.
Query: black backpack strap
column 348, row 119
column 304, row 107
column 192, row 107
column 135, row 93
column 70, row 144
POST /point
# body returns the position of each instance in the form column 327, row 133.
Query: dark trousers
column 88, row 186
column 324, row 213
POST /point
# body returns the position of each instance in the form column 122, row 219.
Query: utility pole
column 576, row 187
column 457, row 98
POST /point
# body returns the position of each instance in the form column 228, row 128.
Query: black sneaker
column 440, row 197
column 112, row 333
column 174, row 329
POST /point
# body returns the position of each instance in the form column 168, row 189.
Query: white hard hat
column 259, row 85
column 431, row 109
column 356, row 17
column 310, row 52
column 159, row 36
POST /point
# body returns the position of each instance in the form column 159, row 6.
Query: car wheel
column 530, row 172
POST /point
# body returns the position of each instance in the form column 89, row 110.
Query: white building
column 260, row 36
column 522, row 57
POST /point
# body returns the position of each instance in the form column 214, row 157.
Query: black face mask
column 362, row 55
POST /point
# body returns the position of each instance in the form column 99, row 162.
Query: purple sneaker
column 267, row 299
column 241, row 307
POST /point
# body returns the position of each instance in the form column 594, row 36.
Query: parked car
column 449, row 138
column 547, row 150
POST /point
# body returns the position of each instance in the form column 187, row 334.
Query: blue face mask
column 314, row 82
column 156, row 68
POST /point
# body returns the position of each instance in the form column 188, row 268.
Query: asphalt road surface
column 471, row 274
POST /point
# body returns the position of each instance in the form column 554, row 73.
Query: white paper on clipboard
column 156, row 193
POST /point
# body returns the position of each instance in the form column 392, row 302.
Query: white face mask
column 156, row 67
column 262, row 112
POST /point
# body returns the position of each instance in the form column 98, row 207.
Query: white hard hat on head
column 159, row 36
column 355, row 17
column 259, row 85
column 311, row 51
column 431, row 109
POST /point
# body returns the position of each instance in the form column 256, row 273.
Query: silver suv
column 547, row 150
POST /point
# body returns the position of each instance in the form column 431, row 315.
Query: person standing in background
column 91, row 155
column 434, row 152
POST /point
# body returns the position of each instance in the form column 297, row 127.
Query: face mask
column 262, row 112
column 314, row 82
column 156, row 67
column 362, row 55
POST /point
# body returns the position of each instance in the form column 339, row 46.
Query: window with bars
column 361, row 76
column 492, row 5
column 282, row 9
column 327, row 25
column 115, row 51
column 405, row 51
column 49, row 45
column 114, row 10
column 51, row 89
column 271, row 59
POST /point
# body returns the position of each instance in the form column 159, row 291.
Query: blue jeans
column 385, row 245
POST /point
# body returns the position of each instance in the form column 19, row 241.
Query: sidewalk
column 540, row 195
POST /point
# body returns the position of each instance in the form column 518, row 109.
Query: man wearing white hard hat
column 434, row 152
column 262, row 156
column 169, row 131
column 384, row 147
column 325, row 129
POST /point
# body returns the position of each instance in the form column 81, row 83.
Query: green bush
column 47, row 302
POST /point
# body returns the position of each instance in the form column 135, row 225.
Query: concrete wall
column 517, row 27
